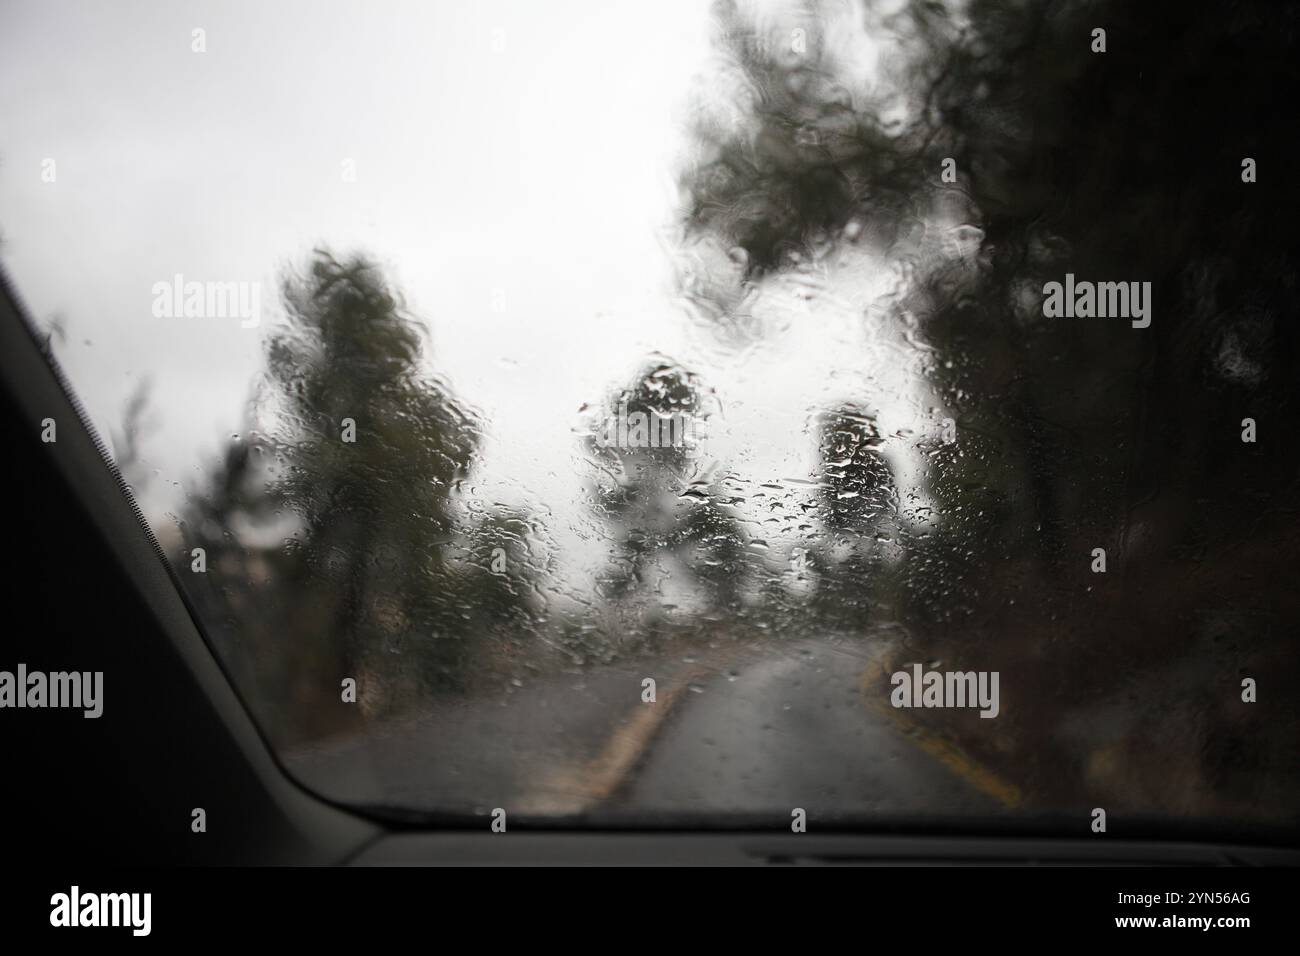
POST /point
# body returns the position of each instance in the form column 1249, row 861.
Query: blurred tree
column 375, row 505
column 332, row 542
column 859, row 510
column 499, row 577
column 127, row 439
column 1066, row 427
column 668, row 515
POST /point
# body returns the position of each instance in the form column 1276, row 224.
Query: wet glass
column 698, row 413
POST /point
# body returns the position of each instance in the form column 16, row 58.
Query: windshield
column 698, row 412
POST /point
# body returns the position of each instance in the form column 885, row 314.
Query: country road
column 793, row 731
column 755, row 732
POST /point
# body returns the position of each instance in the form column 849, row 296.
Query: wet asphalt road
column 765, row 731
column 793, row 731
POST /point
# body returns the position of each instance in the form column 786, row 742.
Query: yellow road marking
column 942, row 750
column 631, row 740
column 572, row 790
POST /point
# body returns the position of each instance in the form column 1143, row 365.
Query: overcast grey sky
column 505, row 151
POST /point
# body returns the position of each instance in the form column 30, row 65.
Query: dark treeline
column 1122, row 165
